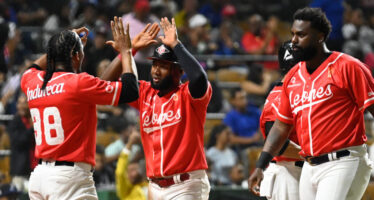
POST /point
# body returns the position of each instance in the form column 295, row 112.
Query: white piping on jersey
column 311, row 101
column 115, row 94
column 52, row 79
column 275, row 91
column 162, row 133
column 153, row 114
column 276, row 109
column 365, row 102
column 27, row 71
column 301, row 118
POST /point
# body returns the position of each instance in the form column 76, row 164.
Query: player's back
column 64, row 113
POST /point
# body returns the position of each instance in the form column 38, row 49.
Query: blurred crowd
column 206, row 27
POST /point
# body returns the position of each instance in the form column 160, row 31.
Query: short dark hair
column 213, row 134
column 317, row 18
column 234, row 91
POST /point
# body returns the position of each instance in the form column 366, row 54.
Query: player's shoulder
column 345, row 62
column 31, row 73
column 291, row 73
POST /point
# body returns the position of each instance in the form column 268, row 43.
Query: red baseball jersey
column 327, row 106
column 64, row 114
column 172, row 130
column 269, row 114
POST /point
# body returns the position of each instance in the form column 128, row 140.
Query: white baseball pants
column 62, row 182
column 346, row 178
column 281, row 181
column 197, row 187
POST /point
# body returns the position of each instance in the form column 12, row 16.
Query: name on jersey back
column 36, row 93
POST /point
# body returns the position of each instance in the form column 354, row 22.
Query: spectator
column 99, row 51
column 29, row 13
column 21, row 135
column 219, row 155
column 87, row 18
column 261, row 38
column 198, row 38
column 113, row 150
column 57, row 21
column 104, row 173
column 257, row 83
column 228, row 35
column 130, row 173
column 212, row 11
column 243, row 119
column 138, row 18
column 237, row 176
column 183, row 16
column 357, row 31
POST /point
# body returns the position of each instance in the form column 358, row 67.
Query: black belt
column 58, row 163
column 297, row 163
column 326, row 157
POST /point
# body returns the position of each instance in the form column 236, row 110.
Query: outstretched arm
column 130, row 90
column 144, row 39
column 274, row 142
column 198, row 79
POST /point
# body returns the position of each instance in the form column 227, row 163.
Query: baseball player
column 323, row 98
column 281, row 178
column 62, row 104
column 172, row 117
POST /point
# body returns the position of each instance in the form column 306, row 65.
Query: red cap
column 228, row 10
column 142, row 5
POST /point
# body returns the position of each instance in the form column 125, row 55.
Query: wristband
column 133, row 52
column 264, row 160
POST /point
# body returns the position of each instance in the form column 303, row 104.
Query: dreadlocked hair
column 60, row 48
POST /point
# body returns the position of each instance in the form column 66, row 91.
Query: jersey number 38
column 53, row 131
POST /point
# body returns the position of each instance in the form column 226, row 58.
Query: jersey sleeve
column 29, row 73
column 204, row 100
column 283, row 111
column 93, row 90
column 360, row 84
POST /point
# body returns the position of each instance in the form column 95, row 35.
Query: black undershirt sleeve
column 198, row 79
column 268, row 126
column 130, row 89
column 35, row 66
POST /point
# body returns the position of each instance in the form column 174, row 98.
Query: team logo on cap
column 287, row 55
column 162, row 49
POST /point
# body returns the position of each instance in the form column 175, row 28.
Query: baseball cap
column 285, row 57
column 228, row 10
column 164, row 53
column 197, row 20
column 141, row 5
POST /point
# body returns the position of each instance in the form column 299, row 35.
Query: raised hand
column 82, row 33
column 146, row 37
column 121, row 38
column 170, row 30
